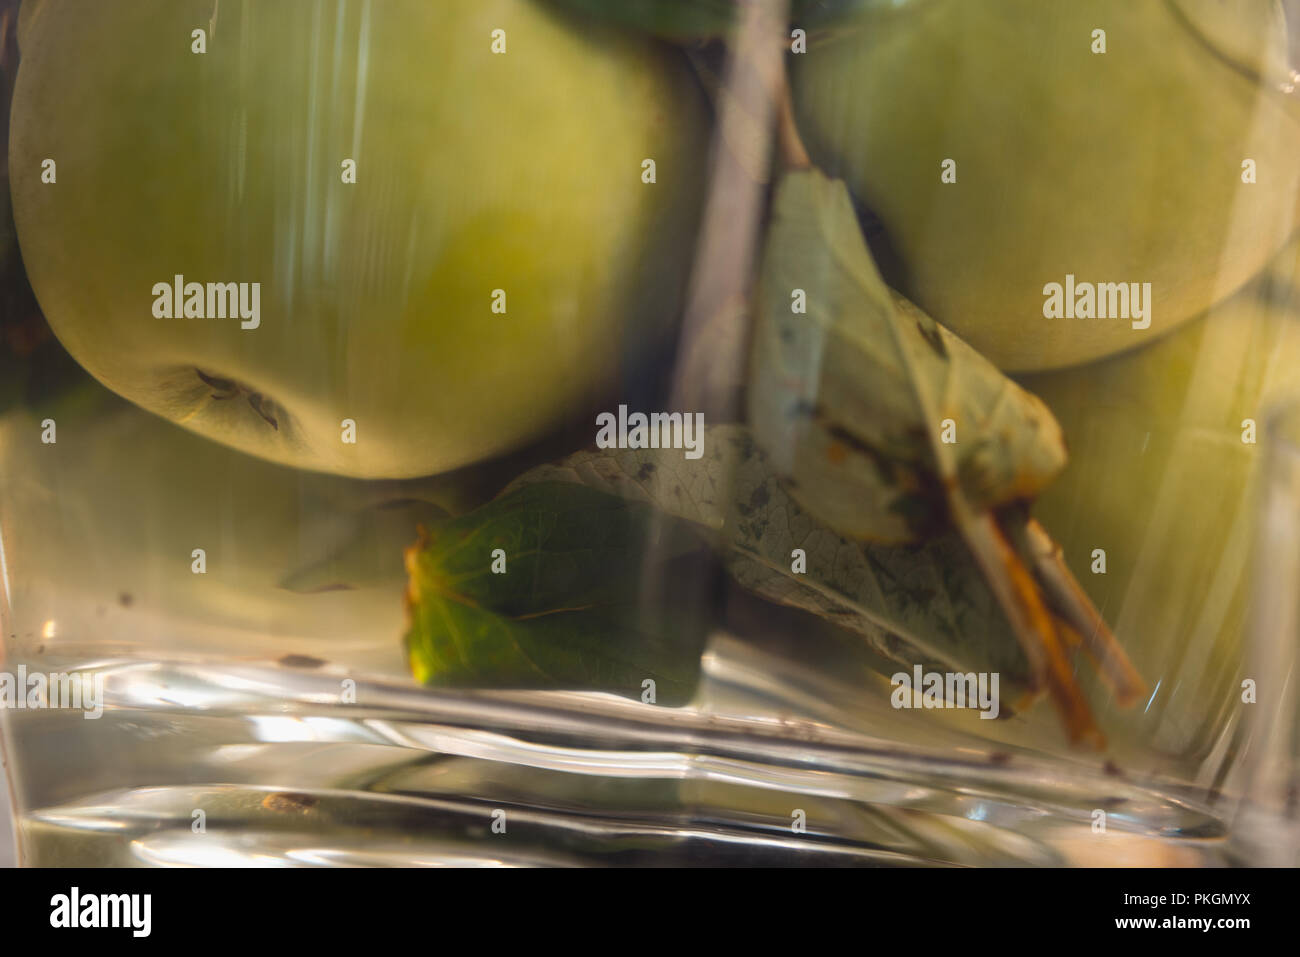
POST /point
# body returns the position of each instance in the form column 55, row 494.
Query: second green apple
column 1006, row 144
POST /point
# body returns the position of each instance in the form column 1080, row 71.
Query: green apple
column 1156, row 509
column 475, row 172
column 1120, row 166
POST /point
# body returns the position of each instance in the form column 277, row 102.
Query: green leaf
column 572, row 609
column 927, row 603
column 886, row 426
column 851, row 396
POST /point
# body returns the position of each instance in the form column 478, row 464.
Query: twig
column 1018, row 594
column 713, row 354
column 1069, row 600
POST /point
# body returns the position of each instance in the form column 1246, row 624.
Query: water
column 259, row 709
column 256, row 763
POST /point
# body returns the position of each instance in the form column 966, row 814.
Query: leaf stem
column 1069, row 600
column 1018, row 594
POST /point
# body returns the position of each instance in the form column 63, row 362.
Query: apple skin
column 1117, row 167
column 1160, row 478
column 475, row 172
